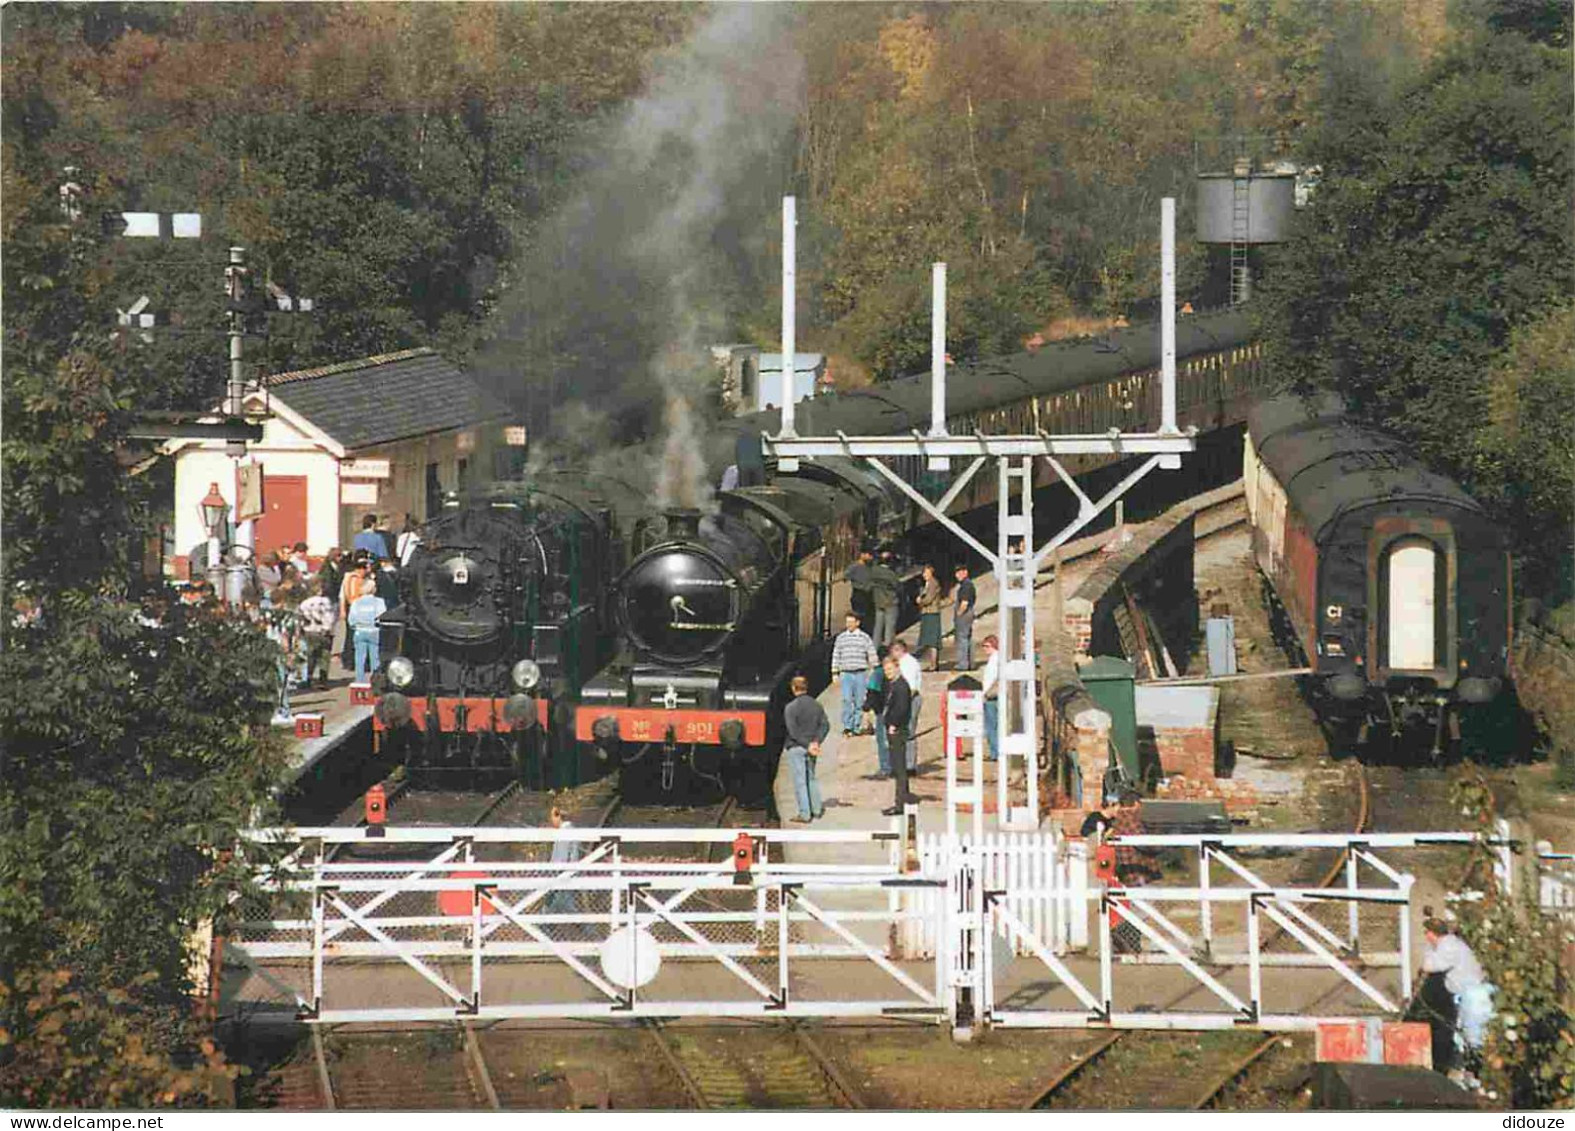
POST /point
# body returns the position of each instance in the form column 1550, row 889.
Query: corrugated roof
column 387, row 397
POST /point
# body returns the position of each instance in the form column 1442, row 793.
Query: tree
column 134, row 737
column 1440, row 229
column 1525, row 458
column 1528, row 1056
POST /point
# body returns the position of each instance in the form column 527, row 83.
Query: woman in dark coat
column 931, row 598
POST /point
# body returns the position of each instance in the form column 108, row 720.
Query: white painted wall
column 286, row 450
column 283, row 450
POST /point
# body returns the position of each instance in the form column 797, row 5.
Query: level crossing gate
column 450, row 924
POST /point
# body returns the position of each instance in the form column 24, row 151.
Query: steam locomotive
column 1389, row 580
column 561, row 625
column 503, row 617
column 713, row 620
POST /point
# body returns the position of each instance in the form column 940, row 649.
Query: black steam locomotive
column 561, row 615
column 716, row 616
column 504, row 615
column 1391, row 582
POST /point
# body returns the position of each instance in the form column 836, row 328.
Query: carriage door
column 1412, row 600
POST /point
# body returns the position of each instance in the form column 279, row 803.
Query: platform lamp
column 214, row 512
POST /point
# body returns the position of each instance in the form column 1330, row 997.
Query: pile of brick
column 1240, row 799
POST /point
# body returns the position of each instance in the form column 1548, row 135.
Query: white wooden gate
column 1042, row 878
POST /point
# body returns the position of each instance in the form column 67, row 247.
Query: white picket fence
column 1042, row 878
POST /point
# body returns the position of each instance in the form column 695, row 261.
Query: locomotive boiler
column 714, row 619
column 1390, row 581
column 503, row 616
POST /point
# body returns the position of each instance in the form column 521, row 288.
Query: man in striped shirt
column 852, row 657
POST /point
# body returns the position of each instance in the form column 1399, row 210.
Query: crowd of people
column 882, row 680
column 306, row 607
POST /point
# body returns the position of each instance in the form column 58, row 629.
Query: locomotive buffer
column 1015, row 559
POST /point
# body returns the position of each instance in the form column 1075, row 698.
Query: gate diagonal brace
column 393, row 947
column 873, row 955
column 1271, row 908
column 1112, row 900
column 444, row 857
column 706, row 945
column 1303, row 917
column 553, row 945
column 536, row 895
column 239, row 951
column 993, row 902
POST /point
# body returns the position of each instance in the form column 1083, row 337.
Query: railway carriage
column 1391, row 582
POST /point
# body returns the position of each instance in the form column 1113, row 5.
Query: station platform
column 343, row 721
column 847, row 765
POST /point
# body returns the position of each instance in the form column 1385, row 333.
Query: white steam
column 650, row 262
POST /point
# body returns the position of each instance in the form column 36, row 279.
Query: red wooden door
column 284, row 513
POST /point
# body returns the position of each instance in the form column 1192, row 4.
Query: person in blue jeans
column 852, row 657
column 807, row 728
column 362, row 624
column 992, row 695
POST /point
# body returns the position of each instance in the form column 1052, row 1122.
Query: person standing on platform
column 350, row 585
column 362, row 624
column 931, row 598
column 407, row 542
column 875, row 703
column 895, row 718
column 268, row 574
column 331, row 574
column 369, row 541
column 888, row 592
column 863, row 596
column 913, row 676
column 852, row 657
column 807, row 728
column 992, row 695
column 967, row 598
column 319, row 618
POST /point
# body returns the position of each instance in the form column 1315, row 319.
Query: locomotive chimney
column 683, row 522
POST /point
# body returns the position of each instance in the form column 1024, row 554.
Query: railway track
column 1048, row 1095
column 769, row 1067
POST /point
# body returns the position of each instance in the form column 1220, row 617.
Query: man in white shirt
column 1445, row 952
column 992, row 694
column 913, row 676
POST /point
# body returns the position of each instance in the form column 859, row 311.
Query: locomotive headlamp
column 526, row 675
column 401, row 672
column 731, row 732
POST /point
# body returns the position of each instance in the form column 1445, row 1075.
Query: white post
column 1167, row 313
column 938, row 361
column 789, row 251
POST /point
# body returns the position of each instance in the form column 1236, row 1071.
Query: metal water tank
column 1245, row 208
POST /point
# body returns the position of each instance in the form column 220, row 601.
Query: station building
column 388, row 434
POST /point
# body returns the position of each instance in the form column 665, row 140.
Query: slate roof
column 392, row 396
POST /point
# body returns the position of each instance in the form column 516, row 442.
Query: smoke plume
column 669, row 237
